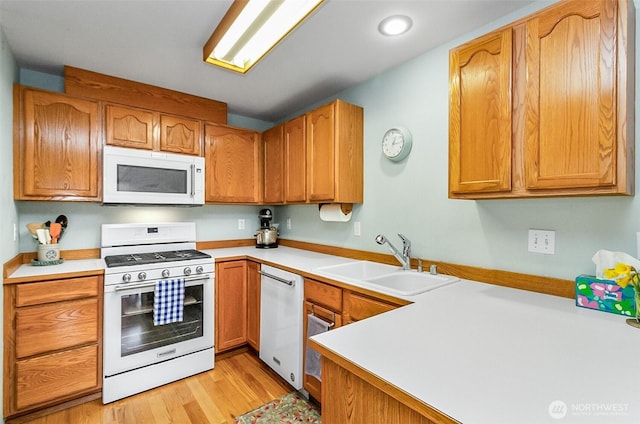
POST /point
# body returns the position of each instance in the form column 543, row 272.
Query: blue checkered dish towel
column 168, row 302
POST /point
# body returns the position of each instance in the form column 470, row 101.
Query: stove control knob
column 142, row 276
column 165, row 273
column 126, row 278
column 199, row 269
column 187, row 271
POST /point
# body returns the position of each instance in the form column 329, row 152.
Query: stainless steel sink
column 388, row 278
column 409, row 283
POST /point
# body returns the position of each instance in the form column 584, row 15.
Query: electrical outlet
column 241, row 224
column 15, row 232
column 356, row 228
column 288, row 223
column 542, row 241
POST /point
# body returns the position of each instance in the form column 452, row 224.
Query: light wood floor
column 237, row 384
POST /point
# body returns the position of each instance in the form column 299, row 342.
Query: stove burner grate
column 153, row 257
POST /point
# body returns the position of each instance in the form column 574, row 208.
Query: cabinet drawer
column 55, row 291
column 55, row 376
column 357, row 307
column 56, row 326
column 323, row 294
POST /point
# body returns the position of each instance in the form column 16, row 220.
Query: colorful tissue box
column 605, row 295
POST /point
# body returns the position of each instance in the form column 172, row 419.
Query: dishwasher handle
column 275, row 277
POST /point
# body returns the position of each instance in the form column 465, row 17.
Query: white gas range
column 158, row 307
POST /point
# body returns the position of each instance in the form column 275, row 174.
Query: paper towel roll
column 332, row 212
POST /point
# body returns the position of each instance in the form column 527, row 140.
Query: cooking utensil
column 42, row 238
column 55, row 229
column 63, row 221
column 47, row 235
column 32, row 227
column 46, row 224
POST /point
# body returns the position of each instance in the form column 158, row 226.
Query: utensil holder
column 48, row 252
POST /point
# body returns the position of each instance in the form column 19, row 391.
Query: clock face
column 396, row 144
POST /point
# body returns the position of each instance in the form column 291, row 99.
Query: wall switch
column 356, row 228
column 241, row 224
column 288, row 223
column 542, row 241
column 15, row 232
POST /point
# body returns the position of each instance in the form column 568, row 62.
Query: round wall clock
column 396, row 143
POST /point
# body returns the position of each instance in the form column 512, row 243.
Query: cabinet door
column 295, row 157
column 59, row 148
column 480, row 137
column 321, row 153
column 571, row 58
column 129, row 127
column 180, row 135
column 358, row 307
column 232, row 165
column 231, row 305
column 273, row 163
column 253, row 305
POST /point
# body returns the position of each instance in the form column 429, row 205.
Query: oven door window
column 139, row 334
column 145, row 179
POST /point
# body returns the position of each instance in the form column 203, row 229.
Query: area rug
column 291, row 408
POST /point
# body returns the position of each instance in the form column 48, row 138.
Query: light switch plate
column 542, row 241
column 356, row 228
column 240, row 224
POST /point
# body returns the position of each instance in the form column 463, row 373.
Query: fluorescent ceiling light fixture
column 251, row 28
column 395, row 25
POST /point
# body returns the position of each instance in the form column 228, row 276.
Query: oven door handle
column 275, row 277
column 123, row 287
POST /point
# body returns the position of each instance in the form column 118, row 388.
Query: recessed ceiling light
column 395, row 25
column 251, row 28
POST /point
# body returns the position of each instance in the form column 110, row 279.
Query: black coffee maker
column 267, row 234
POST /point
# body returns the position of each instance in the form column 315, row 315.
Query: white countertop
column 481, row 353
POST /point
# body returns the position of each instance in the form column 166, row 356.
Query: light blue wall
column 411, row 197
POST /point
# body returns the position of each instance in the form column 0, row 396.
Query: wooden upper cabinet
column 480, row 115
column 129, row 127
column 335, row 153
column 146, row 129
column 273, row 165
column 233, row 165
column 295, row 158
column 180, row 135
column 571, row 126
column 56, row 146
column 544, row 107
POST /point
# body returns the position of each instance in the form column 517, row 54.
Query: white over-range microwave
column 132, row 176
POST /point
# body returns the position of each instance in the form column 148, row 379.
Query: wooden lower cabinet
column 358, row 307
column 230, row 305
column 53, row 342
column 339, row 307
column 362, row 401
column 253, row 305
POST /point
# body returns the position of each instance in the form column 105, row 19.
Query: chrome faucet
column 405, row 257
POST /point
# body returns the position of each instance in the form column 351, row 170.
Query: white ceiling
column 160, row 43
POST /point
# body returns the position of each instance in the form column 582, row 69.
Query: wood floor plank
column 237, row 384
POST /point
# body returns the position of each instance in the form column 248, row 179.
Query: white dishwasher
column 281, row 297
